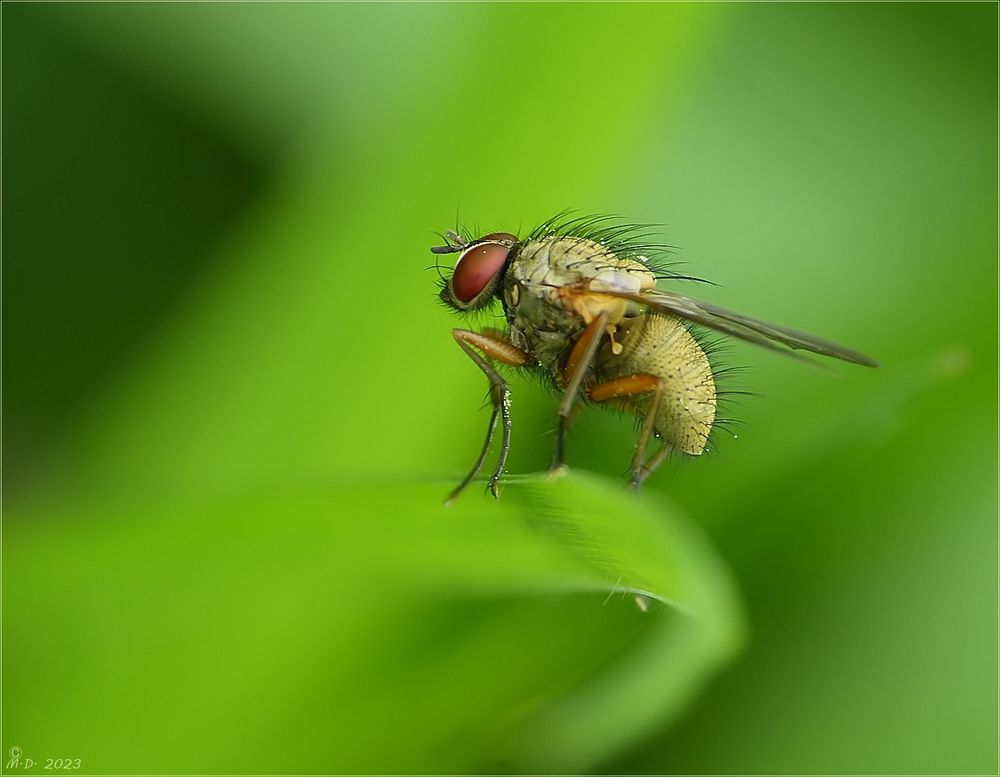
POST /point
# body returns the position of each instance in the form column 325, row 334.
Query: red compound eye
column 476, row 268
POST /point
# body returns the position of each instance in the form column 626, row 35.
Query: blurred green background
column 232, row 406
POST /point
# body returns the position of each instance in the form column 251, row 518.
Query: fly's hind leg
column 647, row 469
column 634, row 386
column 493, row 348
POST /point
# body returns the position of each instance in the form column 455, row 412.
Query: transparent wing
column 762, row 333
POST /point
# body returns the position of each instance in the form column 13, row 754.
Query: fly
column 582, row 306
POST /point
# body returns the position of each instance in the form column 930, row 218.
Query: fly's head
column 478, row 275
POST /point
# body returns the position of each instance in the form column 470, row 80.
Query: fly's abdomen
column 660, row 345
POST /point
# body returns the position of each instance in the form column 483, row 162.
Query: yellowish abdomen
column 660, row 345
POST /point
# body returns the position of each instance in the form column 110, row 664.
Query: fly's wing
column 762, row 333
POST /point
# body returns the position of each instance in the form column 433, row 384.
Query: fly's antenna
column 453, row 243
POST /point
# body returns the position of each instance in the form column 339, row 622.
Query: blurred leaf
column 296, row 631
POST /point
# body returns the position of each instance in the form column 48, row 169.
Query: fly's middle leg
column 579, row 361
column 633, row 386
column 473, row 343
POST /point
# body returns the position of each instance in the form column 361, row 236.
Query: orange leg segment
column 632, row 386
column 579, row 361
column 493, row 348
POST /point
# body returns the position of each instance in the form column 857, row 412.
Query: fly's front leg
column 579, row 361
column 494, row 348
column 633, row 386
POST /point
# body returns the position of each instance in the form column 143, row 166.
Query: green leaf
column 305, row 630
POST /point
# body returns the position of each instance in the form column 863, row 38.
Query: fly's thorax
column 661, row 345
column 545, row 330
column 552, row 291
column 552, row 262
